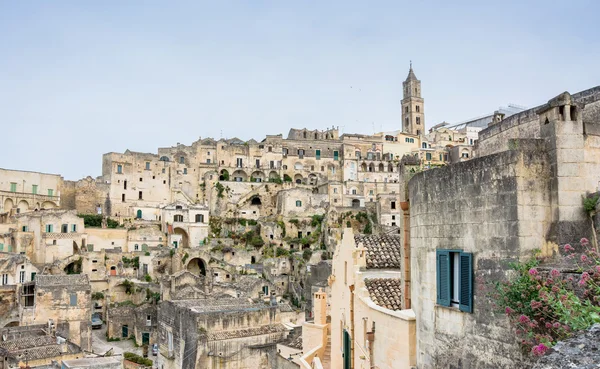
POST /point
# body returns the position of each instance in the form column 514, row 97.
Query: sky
column 82, row 78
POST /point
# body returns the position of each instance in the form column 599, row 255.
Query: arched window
column 199, row 218
column 178, row 218
column 178, row 207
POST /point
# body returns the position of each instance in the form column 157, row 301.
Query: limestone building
column 523, row 192
column 413, row 112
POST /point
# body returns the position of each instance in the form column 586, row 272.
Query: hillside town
column 317, row 250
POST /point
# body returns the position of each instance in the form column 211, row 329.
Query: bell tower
column 413, row 112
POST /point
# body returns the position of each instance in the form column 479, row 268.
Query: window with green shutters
column 1, row 247
column 318, row 154
column 454, row 272
column 74, row 228
column 336, row 155
column 13, row 187
column 50, row 192
column 49, row 228
column 428, row 156
column 25, row 229
column 34, row 189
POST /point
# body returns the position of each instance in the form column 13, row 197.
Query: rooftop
column 385, row 292
column 223, row 305
column 247, row 332
column 383, row 251
column 62, row 280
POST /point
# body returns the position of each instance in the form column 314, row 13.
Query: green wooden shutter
column 336, row 155
column 347, row 350
column 443, row 277
column 318, row 154
column 465, row 290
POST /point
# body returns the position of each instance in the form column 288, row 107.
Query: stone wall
column 496, row 207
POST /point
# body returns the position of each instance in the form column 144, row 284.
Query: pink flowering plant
column 545, row 306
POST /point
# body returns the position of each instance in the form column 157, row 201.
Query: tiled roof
column 62, row 280
column 383, row 252
column 248, row 332
column 27, row 342
column 385, row 292
column 220, row 305
column 295, row 343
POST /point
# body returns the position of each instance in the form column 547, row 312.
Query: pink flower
column 533, row 271
column 554, row 273
column 540, row 349
column 584, row 278
column 583, row 258
column 555, row 289
column 535, row 304
column 584, row 241
column 597, row 268
column 524, row 319
column 556, row 325
column 568, row 248
column 548, row 325
column 508, row 310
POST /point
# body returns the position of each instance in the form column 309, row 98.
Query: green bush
column 306, row 254
column 282, row 252
column 242, row 222
column 147, row 278
column 287, row 178
column 133, row 262
column 130, row 356
column 97, row 296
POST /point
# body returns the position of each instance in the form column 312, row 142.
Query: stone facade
column 499, row 208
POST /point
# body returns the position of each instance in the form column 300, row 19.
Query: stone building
column 523, row 192
column 371, row 326
column 224, row 332
column 57, row 299
column 23, row 191
column 413, row 112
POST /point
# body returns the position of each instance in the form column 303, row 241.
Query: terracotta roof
column 383, row 252
column 248, row 332
column 385, row 292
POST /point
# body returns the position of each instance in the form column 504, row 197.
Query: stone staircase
column 326, row 362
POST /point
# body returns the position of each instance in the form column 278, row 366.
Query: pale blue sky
column 81, row 78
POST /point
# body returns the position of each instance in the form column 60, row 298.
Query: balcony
column 30, row 196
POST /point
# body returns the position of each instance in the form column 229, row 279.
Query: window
column 239, row 162
column 22, row 276
column 124, row 185
column 178, row 218
column 136, row 247
column 184, row 170
column 181, row 160
column 34, row 189
column 354, row 191
column 207, row 161
column 140, row 195
column 407, row 139
column 418, row 108
column 258, row 163
column 318, row 154
column 147, row 165
column 271, row 164
column 49, row 228
column 336, row 155
column 141, row 179
column 13, row 187
column 24, row 229
column 406, row 109
column 454, row 270
column 370, row 192
column 4, row 279
column 335, row 190
column 284, row 151
column 50, row 192
column 163, row 171
column 465, row 154
column 393, row 205
column 119, row 169
column 73, row 299
column 418, row 120
column 298, row 203
column 428, row 156
column 299, row 234
column 199, row 218
column 123, row 197
column 64, row 228
column 300, row 153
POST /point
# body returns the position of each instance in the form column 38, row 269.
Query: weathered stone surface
column 579, row 352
